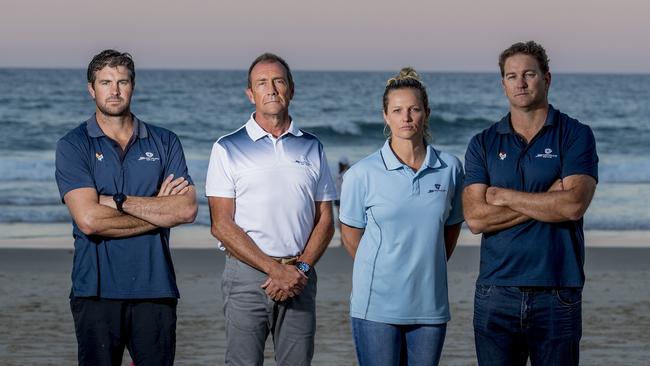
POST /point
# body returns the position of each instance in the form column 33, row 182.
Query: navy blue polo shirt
column 533, row 253
column 120, row 268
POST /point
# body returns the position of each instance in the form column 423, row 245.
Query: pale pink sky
column 460, row 35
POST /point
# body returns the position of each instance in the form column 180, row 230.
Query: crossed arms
column 489, row 209
column 96, row 214
column 284, row 280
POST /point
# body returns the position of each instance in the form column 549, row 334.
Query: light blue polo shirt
column 400, row 268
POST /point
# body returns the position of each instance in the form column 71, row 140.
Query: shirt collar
column 255, row 132
column 431, row 160
column 504, row 126
column 92, row 126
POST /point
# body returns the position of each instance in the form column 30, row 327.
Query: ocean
column 38, row 106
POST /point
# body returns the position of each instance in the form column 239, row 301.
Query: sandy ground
column 36, row 326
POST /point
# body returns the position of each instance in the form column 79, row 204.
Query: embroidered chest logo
column 502, row 155
column 548, row 154
column 438, row 188
column 99, row 156
column 148, row 157
column 302, row 160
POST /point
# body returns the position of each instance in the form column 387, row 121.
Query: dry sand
column 36, row 326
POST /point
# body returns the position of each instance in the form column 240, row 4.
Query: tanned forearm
column 93, row 218
column 351, row 237
column 321, row 235
column 241, row 246
column 482, row 217
column 565, row 201
column 284, row 281
column 111, row 223
column 174, row 204
column 490, row 219
column 166, row 211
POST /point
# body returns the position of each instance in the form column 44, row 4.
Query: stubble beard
column 117, row 111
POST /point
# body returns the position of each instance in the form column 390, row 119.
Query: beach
column 36, row 326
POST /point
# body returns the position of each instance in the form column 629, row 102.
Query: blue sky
column 462, row 35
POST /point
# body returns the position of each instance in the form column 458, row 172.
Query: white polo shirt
column 275, row 184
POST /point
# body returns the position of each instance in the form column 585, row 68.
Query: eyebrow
column 264, row 78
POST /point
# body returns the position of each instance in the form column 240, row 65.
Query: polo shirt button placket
column 416, row 186
column 274, row 142
column 279, row 149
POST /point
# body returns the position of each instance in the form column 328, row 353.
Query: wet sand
column 36, row 326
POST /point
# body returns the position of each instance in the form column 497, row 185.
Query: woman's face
column 406, row 115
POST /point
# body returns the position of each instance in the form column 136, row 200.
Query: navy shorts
column 104, row 327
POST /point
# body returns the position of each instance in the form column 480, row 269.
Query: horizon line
column 632, row 73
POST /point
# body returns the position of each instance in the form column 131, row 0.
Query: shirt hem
column 220, row 194
column 528, row 283
column 351, row 222
column 128, row 295
column 409, row 320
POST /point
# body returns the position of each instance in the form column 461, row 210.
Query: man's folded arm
column 92, row 218
column 565, row 201
column 482, row 217
column 175, row 204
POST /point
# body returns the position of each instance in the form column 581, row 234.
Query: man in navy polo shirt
column 529, row 180
column 125, row 184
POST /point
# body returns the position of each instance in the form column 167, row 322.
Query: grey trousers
column 251, row 315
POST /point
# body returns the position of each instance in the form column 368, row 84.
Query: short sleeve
column 456, row 212
column 219, row 181
column 476, row 163
column 326, row 188
column 353, row 199
column 176, row 160
column 72, row 168
column 579, row 154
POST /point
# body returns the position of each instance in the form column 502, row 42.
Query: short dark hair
column 110, row 58
column 530, row 48
column 267, row 58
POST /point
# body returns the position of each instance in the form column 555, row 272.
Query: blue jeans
column 514, row 323
column 380, row 344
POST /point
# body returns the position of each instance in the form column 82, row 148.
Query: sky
column 602, row 36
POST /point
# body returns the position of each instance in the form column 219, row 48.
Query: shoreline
column 195, row 236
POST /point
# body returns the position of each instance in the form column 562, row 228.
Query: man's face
column 112, row 90
column 270, row 91
column 524, row 84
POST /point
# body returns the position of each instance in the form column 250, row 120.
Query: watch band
column 119, row 199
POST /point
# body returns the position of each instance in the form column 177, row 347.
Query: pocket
column 568, row 296
column 229, row 273
column 483, row 291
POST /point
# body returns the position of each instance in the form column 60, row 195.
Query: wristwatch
column 303, row 267
column 119, row 199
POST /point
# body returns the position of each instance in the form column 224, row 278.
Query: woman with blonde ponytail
column 401, row 215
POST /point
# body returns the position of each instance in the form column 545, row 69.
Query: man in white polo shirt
column 270, row 192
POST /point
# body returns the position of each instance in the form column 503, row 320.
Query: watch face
column 304, row 267
column 119, row 199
